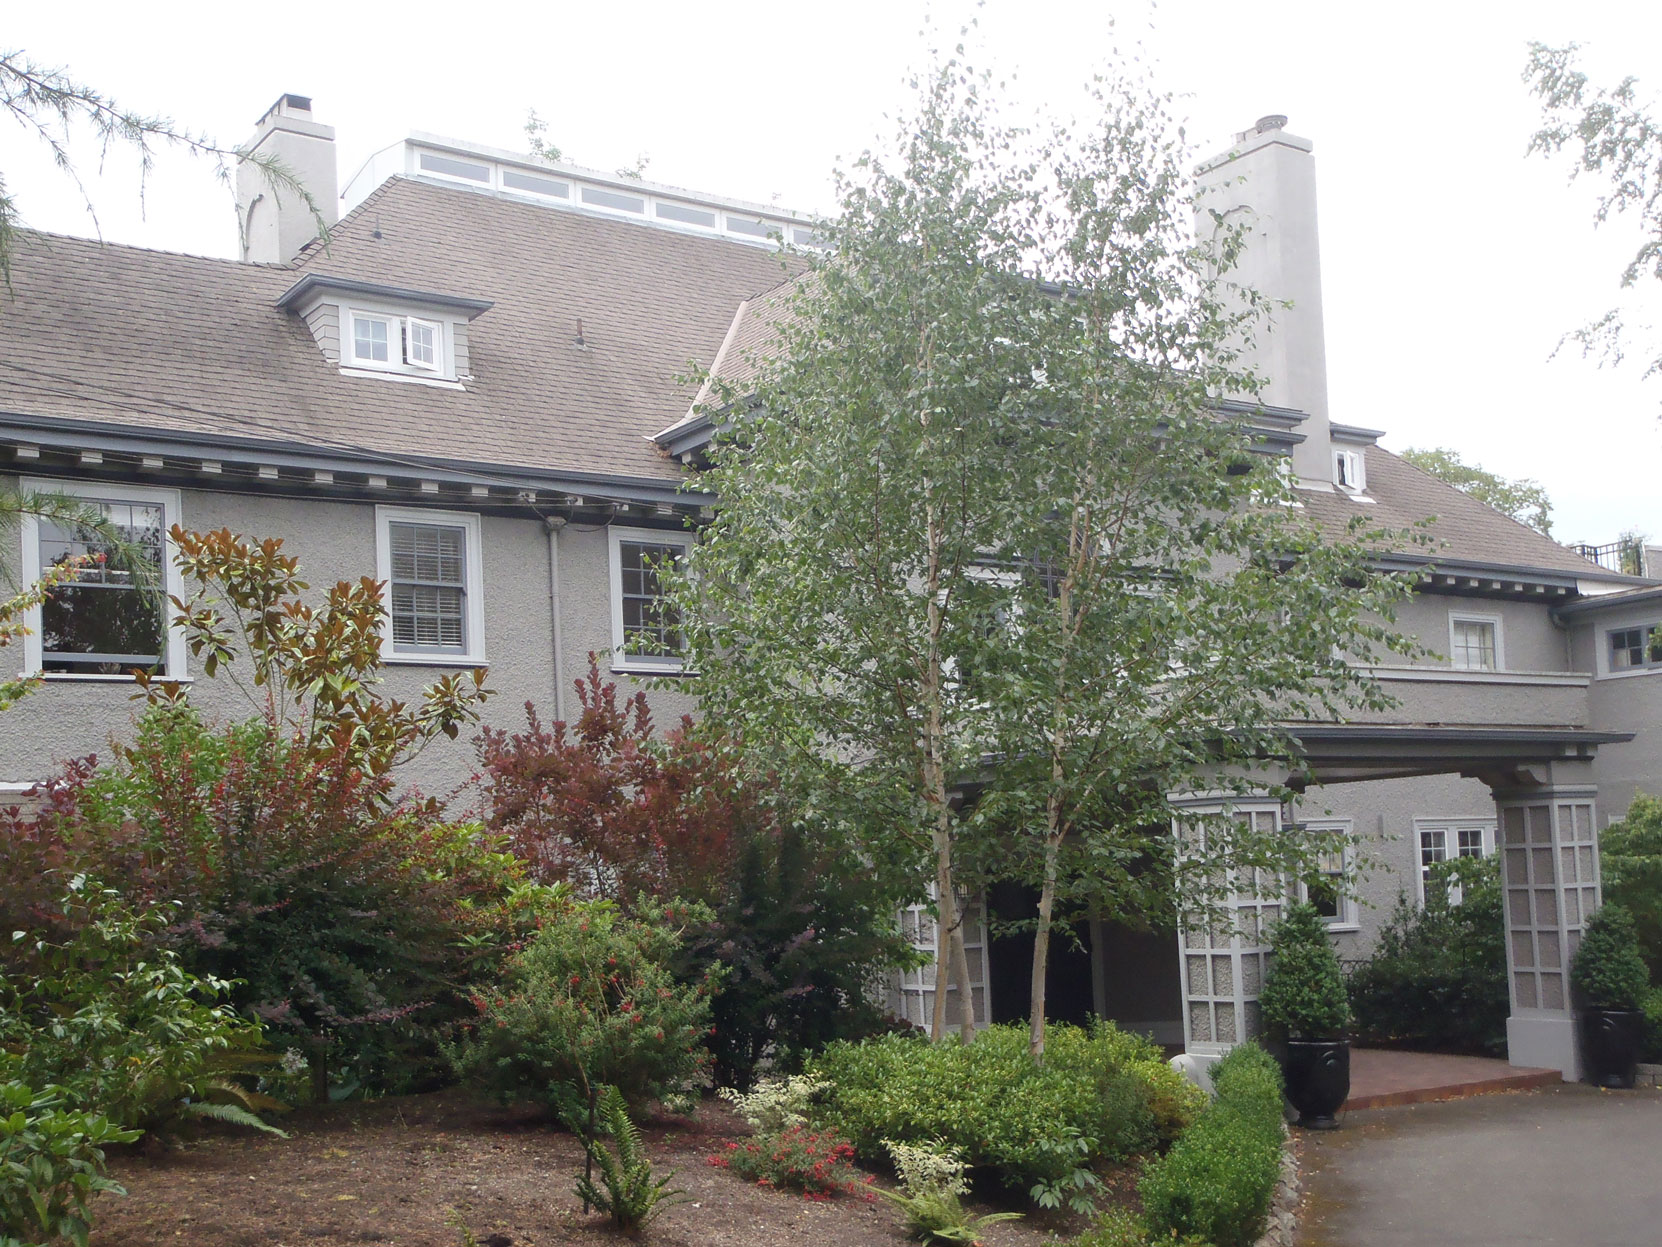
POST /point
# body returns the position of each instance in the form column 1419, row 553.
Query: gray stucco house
column 476, row 393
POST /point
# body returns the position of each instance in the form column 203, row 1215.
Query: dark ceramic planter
column 1317, row 1074
column 1610, row 1040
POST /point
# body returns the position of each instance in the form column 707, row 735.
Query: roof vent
column 1274, row 121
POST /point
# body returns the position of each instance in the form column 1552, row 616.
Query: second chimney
column 275, row 223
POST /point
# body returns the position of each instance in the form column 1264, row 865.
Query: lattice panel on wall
column 1224, row 963
column 1549, row 856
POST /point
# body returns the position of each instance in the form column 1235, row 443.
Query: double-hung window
column 1332, row 890
column 429, row 563
column 1475, row 642
column 646, row 627
column 109, row 616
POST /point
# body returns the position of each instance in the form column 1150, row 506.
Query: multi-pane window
column 651, row 626
column 1330, row 890
column 428, row 586
column 371, row 339
column 429, row 564
column 1635, row 647
column 421, row 343
column 1446, row 841
column 646, row 627
column 1474, row 644
column 109, row 617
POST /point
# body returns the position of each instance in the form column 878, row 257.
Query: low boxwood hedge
column 1217, row 1181
column 1100, row 1095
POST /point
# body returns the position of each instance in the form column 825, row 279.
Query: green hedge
column 1100, row 1095
column 1217, row 1181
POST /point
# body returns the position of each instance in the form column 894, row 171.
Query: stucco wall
column 336, row 540
column 1530, row 640
column 1382, row 814
column 1622, row 703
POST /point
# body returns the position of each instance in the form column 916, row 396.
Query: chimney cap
column 288, row 105
column 1271, row 122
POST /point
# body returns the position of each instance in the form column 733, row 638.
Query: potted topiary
column 1306, row 1007
column 1611, row 983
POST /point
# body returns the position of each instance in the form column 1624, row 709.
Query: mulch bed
column 411, row 1171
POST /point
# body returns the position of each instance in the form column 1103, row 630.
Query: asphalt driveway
column 1568, row 1165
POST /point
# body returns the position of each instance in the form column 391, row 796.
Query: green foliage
column 627, row 1191
column 1436, row 981
column 932, row 1187
column 965, row 516
column 1100, row 1095
column 352, row 925
column 1217, row 1181
column 1630, row 865
column 1304, row 989
column 1524, row 500
column 1651, row 1050
column 51, row 1164
column 591, row 1001
column 1607, row 971
column 1613, row 136
column 121, row 1029
column 776, row 1104
column 1119, row 1227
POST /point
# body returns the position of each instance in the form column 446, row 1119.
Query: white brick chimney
column 276, row 224
column 1266, row 185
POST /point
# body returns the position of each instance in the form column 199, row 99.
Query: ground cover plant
column 1100, row 1095
column 931, row 1196
column 1217, row 1181
column 1436, row 981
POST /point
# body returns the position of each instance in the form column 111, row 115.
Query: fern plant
column 627, row 1191
column 930, row 1197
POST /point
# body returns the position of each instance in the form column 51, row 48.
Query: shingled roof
column 147, row 339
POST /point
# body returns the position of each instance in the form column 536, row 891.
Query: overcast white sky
column 1451, row 265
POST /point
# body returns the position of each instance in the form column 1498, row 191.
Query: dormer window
column 390, row 331
column 1349, row 471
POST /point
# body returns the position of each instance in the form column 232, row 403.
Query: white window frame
column 621, row 660
column 398, row 362
column 1450, row 829
column 1358, row 471
column 411, row 323
column 473, row 655
column 176, row 651
column 1348, row 918
column 1470, row 617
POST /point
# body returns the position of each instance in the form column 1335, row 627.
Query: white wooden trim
column 473, row 654
column 1450, row 827
column 622, row 660
column 176, row 651
column 1456, row 617
column 1349, row 915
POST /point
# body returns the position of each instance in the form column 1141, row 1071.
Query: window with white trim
column 111, row 616
column 430, row 563
column 389, row 343
column 646, row 628
column 1350, row 470
column 1474, row 642
column 1444, row 840
column 1333, row 890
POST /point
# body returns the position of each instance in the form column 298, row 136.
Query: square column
column 1223, row 955
column 1550, row 877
